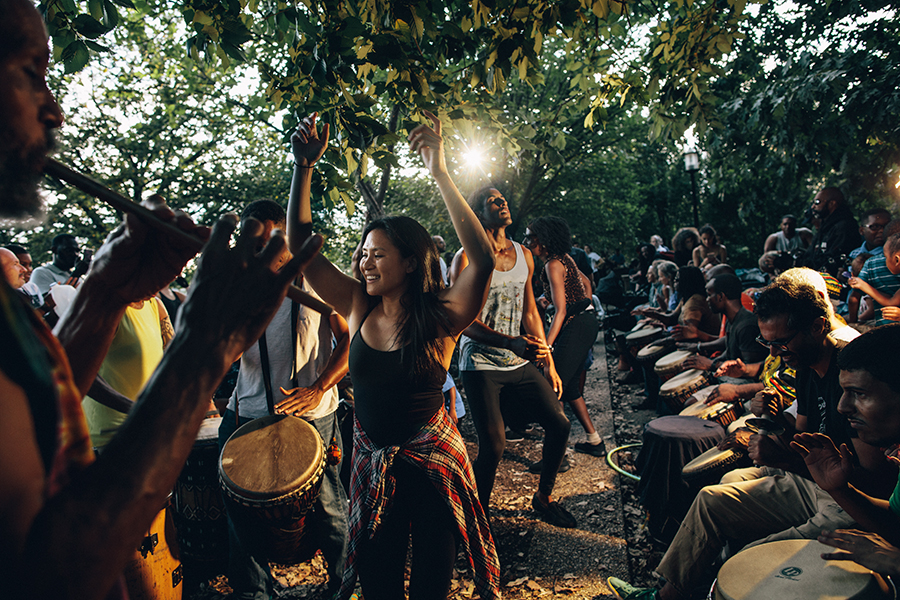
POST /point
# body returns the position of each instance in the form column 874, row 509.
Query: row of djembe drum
column 784, row 569
column 678, row 383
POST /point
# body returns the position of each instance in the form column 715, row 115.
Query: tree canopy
column 577, row 105
column 367, row 65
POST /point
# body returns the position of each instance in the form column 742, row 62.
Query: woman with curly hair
column 683, row 243
column 574, row 327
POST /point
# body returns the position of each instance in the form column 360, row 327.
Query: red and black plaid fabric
column 438, row 450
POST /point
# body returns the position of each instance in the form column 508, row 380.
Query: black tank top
column 390, row 402
column 171, row 306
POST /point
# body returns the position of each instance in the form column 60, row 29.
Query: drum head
column 795, row 569
column 270, row 457
column 209, row 430
column 672, row 359
column 701, row 410
column 642, row 334
column 651, row 349
column 703, row 393
column 682, row 381
column 711, row 459
column 676, row 427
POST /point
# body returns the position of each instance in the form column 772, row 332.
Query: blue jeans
column 248, row 575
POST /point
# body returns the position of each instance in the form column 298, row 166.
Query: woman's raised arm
column 466, row 296
column 335, row 287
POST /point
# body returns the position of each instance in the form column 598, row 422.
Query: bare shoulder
column 529, row 258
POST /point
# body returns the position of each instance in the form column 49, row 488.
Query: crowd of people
column 106, row 387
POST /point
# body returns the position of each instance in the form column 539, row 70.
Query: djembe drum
column 271, row 471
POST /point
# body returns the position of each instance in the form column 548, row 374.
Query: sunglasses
column 781, row 346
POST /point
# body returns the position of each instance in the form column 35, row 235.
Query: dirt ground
column 538, row 560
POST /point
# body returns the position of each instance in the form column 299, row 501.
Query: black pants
column 571, row 349
column 418, row 510
column 524, row 389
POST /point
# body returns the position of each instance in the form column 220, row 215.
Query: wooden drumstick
column 93, row 188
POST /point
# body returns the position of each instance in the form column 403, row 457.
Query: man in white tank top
column 495, row 358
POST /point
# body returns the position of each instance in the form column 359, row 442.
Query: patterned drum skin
column 271, row 471
column 671, row 364
column 199, row 509
column 641, row 338
column 794, row 569
column 677, row 390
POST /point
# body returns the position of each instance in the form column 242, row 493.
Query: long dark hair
column 679, row 240
column 690, row 282
column 426, row 322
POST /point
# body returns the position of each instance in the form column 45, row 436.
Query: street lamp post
column 692, row 165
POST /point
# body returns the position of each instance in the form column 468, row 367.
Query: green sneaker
column 625, row 591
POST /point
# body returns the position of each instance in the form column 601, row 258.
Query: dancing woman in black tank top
column 411, row 477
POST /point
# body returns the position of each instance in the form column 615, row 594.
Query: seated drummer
column 871, row 401
column 773, row 373
column 723, row 293
column 780, row 501
column 691, row 318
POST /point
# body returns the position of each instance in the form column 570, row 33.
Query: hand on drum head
column 235, row 291
column 862, row 547
column 137, row 260
column 731, row 368
column 696, row 361
column 299, row 400
column 831, row 468
column 724, row 392
column 684, row 332
column 739, row 439
column 767, row 402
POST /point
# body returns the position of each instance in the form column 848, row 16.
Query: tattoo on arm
column 166, row 329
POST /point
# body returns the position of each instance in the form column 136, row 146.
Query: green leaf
column 96, row 47
column 95, row 7
column 87, row 26
column 232, row 50
column 111, row 15
column 68, row 6
column 75, row 56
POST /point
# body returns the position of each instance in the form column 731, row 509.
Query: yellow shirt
column 133, row 355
